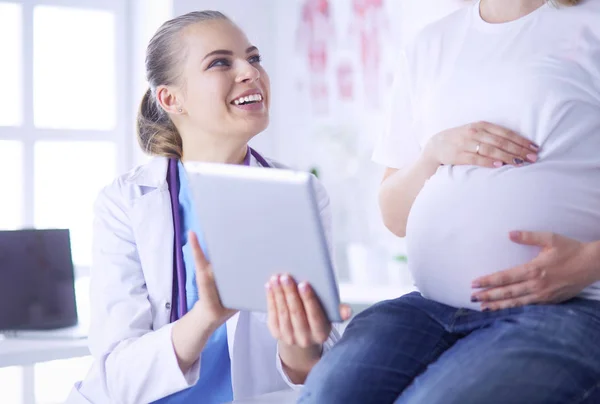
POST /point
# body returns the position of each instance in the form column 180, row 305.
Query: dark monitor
column 37, row 285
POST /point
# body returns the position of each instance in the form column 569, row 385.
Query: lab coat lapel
column 152, row 224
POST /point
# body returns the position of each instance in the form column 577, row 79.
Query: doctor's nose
column 248, row 74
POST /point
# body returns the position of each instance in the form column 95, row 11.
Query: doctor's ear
column 169, row 100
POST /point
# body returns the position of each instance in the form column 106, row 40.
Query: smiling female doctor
column 208, row 96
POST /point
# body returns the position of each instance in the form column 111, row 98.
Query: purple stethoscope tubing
column 178, row 262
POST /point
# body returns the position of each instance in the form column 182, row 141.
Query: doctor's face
column 226, row 91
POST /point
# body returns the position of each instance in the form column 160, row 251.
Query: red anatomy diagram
column 316, row 39
column 315, row 36
column 370, row 24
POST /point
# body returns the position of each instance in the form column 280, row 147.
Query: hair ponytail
column 156, row 133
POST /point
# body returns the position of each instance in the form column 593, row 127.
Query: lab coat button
column 168, row 305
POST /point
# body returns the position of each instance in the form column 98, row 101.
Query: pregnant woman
column 493, row 157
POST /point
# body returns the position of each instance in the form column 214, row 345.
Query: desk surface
column 16, row 351
column 19, row 351
column 280, row 397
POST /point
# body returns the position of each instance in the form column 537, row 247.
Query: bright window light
column 74, row 73
column 67, row 179
column 11, row 201
column 11, row 80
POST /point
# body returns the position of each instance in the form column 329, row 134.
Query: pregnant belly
column 458, row 226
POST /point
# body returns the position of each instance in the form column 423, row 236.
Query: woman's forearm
column 399, row 191
column 189, row 336
column 298, row 362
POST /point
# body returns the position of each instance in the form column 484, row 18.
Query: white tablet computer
column 258, row 222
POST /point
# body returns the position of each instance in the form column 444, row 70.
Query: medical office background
column 71, row 76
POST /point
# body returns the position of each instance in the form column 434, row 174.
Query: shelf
column 25, row 352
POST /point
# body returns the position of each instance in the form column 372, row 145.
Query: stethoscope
column 179, row 274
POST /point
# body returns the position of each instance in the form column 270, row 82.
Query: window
column 11, row 111
column 11, row 157
column 67, row 179
column 64, row 123
column 74, row 82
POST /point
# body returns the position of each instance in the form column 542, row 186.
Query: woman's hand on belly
column 561, row 271
column 480, row 144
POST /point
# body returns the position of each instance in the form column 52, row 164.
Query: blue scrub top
column 214, row 384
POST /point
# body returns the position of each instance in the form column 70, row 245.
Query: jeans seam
column 437, row 351
column 586, row 393
column 451, row 322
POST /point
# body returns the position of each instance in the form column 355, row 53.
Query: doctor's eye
column 219, row 63
column 255, row 59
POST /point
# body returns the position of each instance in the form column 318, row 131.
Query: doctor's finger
column 302, row 334
column 205, row 280
column 319, row 324
column 199, row 257
column 345, row 311
column 207, row 288
column 272, row 320
column 283, row 315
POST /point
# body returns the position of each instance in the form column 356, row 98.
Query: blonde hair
column 156, row 133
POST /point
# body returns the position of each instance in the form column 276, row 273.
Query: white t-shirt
column 539, row 76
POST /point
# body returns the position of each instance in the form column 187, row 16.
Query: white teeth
column 248, row 98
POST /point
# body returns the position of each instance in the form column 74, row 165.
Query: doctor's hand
column 480, row 144
column 209, row 303
column 563, row 268
column 191, row 332
column 295, row 314
column 297, row 320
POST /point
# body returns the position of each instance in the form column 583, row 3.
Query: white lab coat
column 131, row 281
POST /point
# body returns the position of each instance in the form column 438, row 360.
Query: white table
column 26, row 352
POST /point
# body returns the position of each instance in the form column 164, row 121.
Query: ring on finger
column 477, row 148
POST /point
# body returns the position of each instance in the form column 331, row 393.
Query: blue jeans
column 414, row 350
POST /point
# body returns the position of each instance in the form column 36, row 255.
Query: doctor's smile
column 249, row 100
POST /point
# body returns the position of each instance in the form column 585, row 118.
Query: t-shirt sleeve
column 398, row 146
